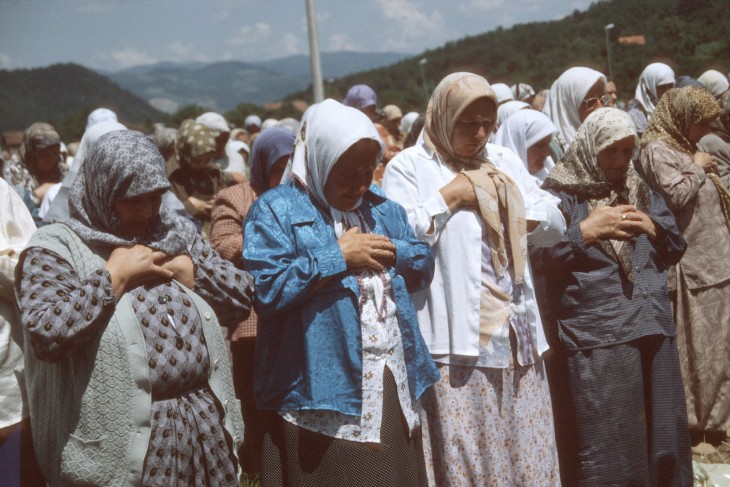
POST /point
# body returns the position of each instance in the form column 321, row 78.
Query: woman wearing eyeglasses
column 574, row 95
column 488, row 420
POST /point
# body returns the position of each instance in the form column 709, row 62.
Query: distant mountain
column 334, row 64
column 55, row 93
column 221, row 86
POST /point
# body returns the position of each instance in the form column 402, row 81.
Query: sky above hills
column 117, row 34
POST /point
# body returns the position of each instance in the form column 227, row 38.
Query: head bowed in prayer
column 116, row 197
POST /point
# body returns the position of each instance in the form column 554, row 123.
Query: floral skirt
column 489, row 426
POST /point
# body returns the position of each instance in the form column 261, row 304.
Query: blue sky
column 117, row 34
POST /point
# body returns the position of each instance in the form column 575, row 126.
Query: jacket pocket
column 85, row 462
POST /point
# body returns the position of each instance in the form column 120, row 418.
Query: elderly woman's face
column 537, row 153
column 48, row 158
column 138, row 214
column 352, row 174
column 614, row 160
column 699, row 130
column 473, row 127
column 277, row 171
column 593, row 100
column 198, row 163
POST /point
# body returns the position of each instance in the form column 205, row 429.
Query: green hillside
column 689, row 35
column 63, row 95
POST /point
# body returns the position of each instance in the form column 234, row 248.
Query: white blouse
column 448, row 311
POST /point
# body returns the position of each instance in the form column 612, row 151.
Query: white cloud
column 291, row 44
column 341, row 42
column 411, row 24
column 126, row 58
column 179, row 51
column 6, row 62
column 250, row 34
column 481, row 6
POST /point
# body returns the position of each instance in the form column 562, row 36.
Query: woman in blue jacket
column 339, row 356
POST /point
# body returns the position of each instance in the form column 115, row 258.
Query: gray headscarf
column 124, row 164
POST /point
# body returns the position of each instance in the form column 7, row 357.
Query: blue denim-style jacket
column 309, row 343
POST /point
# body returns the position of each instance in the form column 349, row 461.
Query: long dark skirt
column 296, row 457
column 620, row 415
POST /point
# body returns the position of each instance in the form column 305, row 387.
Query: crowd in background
column 517, row 287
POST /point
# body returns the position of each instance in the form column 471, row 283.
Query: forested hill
column 50, row 94
column 689, row 35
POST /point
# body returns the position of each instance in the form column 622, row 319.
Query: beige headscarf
column 495, row 191
column 677, row 111
column 578, row 172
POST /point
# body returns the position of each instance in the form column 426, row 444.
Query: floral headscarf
column 124, row 164
column 578, row 173
column 677, row 111
column 193, row 139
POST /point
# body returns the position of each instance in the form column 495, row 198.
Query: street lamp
column 421, row 63
column 608, row 51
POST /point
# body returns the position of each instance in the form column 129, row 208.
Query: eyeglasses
column 473, row 127
column 592, row 103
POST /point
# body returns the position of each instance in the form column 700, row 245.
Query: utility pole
column 317, row 86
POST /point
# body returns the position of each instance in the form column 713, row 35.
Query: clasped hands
column 366, row 250
column 616, row 222
column 138, row 264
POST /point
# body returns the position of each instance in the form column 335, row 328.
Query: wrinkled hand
column 459, row 193
column 201, row 206
column 135, row 265
column 366, row 250
column 645, row 224
column 613, row 222
column 706, row 161
column 182, row 269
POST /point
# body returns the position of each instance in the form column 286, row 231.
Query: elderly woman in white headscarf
column 572, row 97
column 614, row 371
column 488, row 421
column 654, row 81
column 340, row 358
column 715, row 82
column 528, row 134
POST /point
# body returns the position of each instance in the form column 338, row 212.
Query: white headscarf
column 524, row 129
column 100, row 115
column 715, row 82
column 16, row 228
column 565, row 97
column 653, row 76
column 215, row 123
column 268, row 123
column 407, row 122
column 508, row 108
column 235, row 159
column 328, row 129
column 503, row 92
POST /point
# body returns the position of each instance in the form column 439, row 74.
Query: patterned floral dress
column 188, row 444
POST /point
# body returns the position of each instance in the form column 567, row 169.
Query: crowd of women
column 534, row 293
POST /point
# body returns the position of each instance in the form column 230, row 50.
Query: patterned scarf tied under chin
column 677, row 111
column 578, row 173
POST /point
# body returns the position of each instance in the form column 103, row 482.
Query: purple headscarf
column 270, row 146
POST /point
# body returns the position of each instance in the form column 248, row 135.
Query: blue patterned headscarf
column 124, row 164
